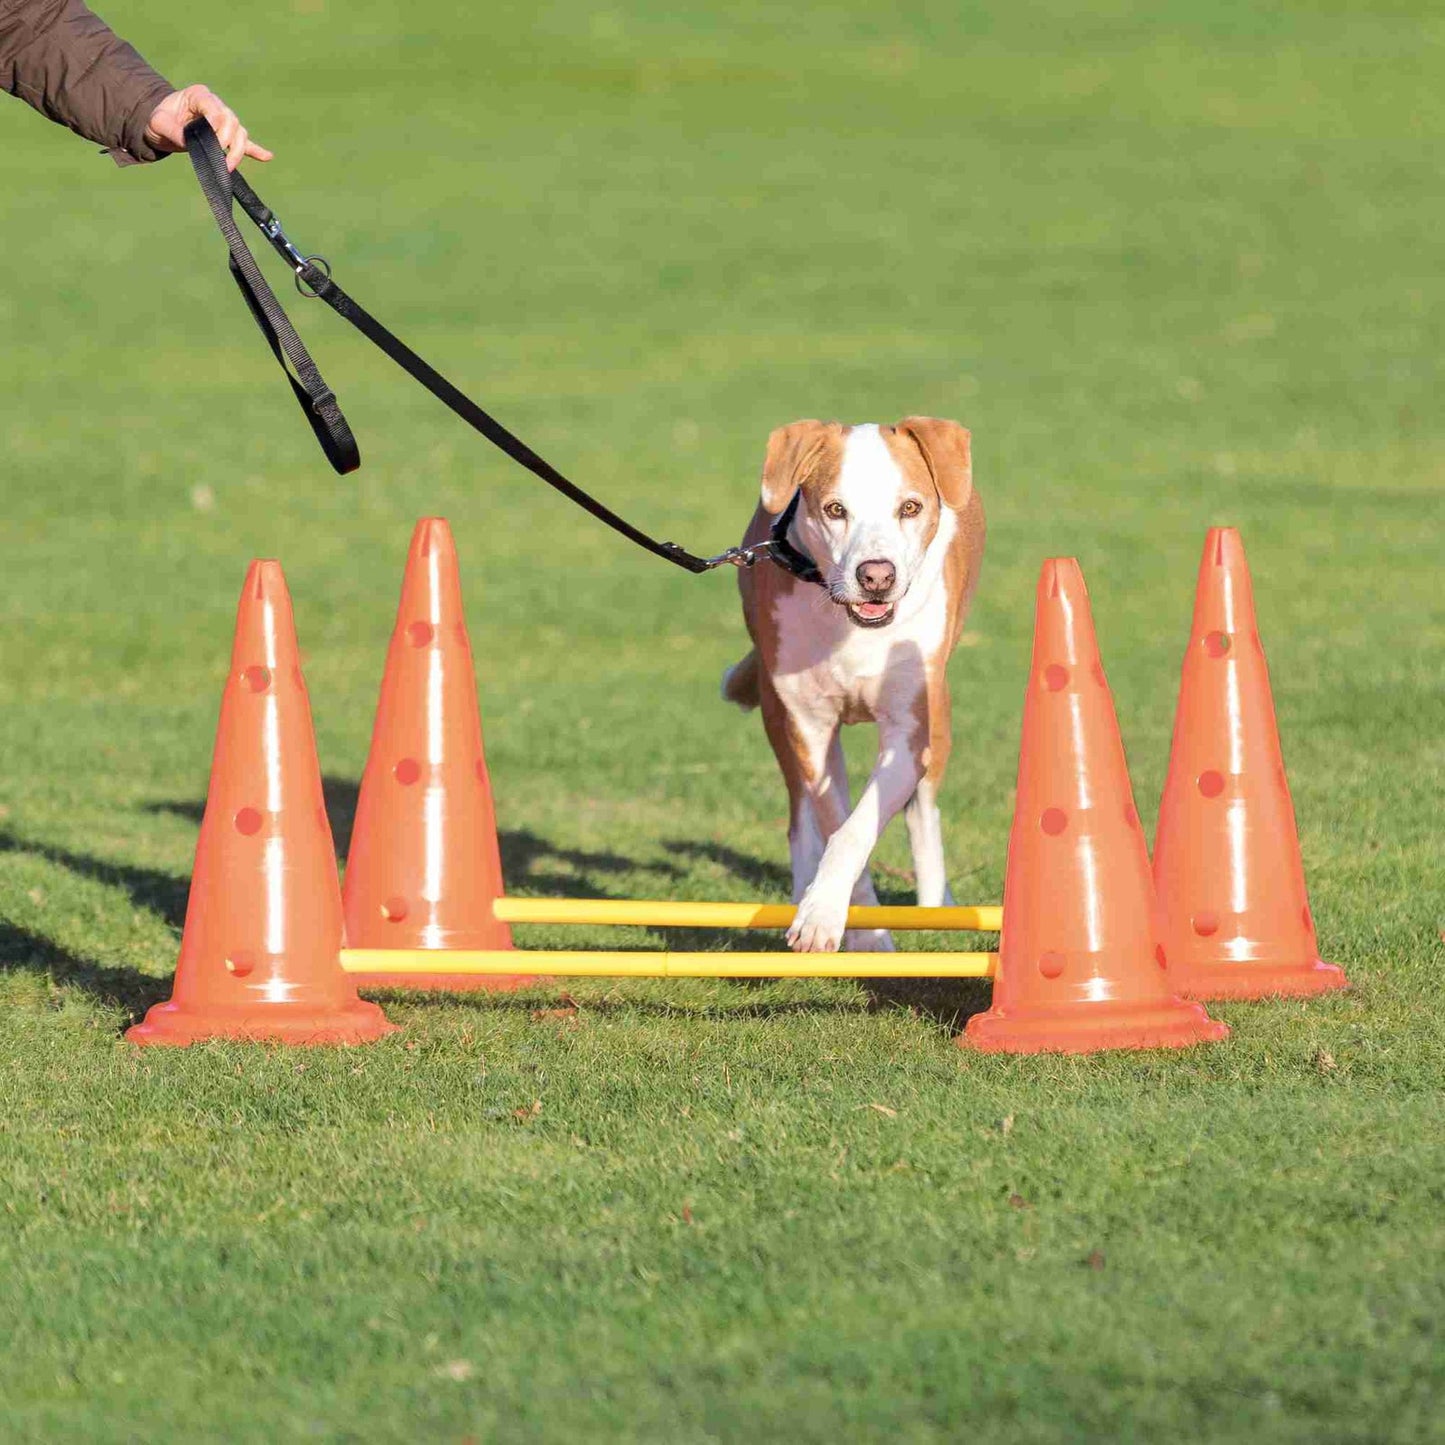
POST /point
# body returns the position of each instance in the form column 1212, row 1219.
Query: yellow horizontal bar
column 561, row 963
column 657, row 913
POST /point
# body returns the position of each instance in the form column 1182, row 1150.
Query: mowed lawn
column 1176, row 265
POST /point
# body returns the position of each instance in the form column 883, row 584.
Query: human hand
column 167, row 126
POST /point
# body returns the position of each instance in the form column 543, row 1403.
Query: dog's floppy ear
column 945, row 447
column 792, row 451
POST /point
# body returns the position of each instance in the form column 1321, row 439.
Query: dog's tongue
column 871, row 610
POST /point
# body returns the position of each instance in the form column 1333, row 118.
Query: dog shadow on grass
column 947, row 1003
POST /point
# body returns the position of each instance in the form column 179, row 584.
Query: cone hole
column 1098, row 671
column 420, row 633
column 297, row 678
column 1160, row 957
column 1131, row 816
column 481, row 770
column 1258, row 643
column 240, row 962
column 1056, row 677
column 1051, row 964
column 1211, row 783
column 461, row 633
column 1283, row 778
column 248, row 821
column 407, row 771
column 1206, row 923
column 256, row 679
column 394, row 909
column 1053, row 821
column 1306, row 918
column 1216, row 644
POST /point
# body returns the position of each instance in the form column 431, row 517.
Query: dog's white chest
column 826, row 663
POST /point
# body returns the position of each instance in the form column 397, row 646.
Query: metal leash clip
column 741, row 556
column 273, row 232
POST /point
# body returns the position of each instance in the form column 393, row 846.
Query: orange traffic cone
column 1226, row 852
column 1080, row 966
column 424, row 867
column 260, row 953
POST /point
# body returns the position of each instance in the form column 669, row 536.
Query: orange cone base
column 449, row 982
column 357, row 1022
column 1172, row 1024
column 1262, row 980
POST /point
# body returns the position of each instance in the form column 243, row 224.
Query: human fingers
column 225, row 123
column 168, row 122
column 228, row 128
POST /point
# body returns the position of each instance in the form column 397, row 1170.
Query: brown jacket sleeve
column 66, row 62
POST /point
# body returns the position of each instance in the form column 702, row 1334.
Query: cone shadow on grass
column 529, row 861
column 535, row 865
column 157, row 892
column 22, row 950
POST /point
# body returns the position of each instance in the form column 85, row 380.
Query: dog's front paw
column 818, row 927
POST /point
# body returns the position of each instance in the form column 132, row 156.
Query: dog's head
column 872, row 499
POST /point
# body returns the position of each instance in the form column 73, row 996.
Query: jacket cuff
column 134, row 148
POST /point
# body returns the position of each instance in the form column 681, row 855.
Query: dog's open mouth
column 870, row 614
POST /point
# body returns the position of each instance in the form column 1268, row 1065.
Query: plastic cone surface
column 424, row 867
column 1226, row 852
column 1080, row 966
column 260, row 953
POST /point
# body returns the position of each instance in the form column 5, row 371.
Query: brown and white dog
column 889, row 516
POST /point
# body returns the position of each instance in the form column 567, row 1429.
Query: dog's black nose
column 876, row 576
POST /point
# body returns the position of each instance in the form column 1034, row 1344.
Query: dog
column 889, row 517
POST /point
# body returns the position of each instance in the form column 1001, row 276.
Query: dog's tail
column 741, row 683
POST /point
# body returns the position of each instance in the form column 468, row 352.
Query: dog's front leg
column 823, row 911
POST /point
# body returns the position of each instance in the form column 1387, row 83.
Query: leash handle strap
column 221, row 188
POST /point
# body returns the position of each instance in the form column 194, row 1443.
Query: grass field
column 1175, row 264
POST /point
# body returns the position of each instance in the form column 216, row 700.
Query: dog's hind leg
column 867, row 940
column 925, row 839
column 855, row 940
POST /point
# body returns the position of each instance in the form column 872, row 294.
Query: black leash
column 318, row 402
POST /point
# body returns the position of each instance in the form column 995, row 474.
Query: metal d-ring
column 323, row 265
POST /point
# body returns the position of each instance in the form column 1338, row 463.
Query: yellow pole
column 562, row 963
column 669, row 914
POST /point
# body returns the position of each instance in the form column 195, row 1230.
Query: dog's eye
column 836, row 510
column 911, row 508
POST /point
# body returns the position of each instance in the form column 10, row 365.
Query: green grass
column 1176, row 264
